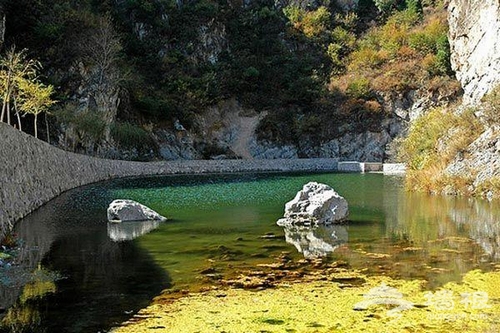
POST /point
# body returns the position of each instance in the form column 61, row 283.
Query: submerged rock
column 122, row 210
column 315, row 204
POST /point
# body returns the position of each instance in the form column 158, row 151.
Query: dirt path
column 245, row 135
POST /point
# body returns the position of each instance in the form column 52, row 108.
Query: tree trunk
column 36, row 128
column 18, row 116
column 4, row 105
column 8, row 113
column 47, row 127
column 19, row 120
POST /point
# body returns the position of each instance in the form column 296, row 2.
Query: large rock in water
column 129, row 210
column 315, row 204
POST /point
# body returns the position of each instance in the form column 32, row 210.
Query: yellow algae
column 322, row 306
column 377, row 255
column 413, row 249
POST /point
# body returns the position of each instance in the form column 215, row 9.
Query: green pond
column 82, row 274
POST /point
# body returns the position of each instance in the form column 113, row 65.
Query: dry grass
column 401, row 55
column 434, row 140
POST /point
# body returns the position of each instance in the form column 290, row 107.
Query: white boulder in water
column 129, row 210
column 315, row 204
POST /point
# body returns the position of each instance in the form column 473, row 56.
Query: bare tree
column 101, row 72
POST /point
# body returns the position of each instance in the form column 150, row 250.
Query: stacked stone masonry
column 33, row 172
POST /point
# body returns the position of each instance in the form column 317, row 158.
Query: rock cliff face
column 474, row 37
column 475, row 55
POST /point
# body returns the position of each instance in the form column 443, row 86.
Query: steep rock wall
column 32, row 172
column 474, row 37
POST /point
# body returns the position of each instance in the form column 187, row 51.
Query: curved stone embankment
column 33, row 172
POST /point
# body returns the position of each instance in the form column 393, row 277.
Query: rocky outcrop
column 475, row 45
column 482, row 163
column 315, row 204
column 122, row 210
column 367, row 146
column 474, row 37
column 212, row 41
column 347, row 5
column 176, row 144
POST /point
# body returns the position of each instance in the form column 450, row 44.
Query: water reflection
column 422, row 219
column 219, row 224
column 123, row 231
column 482, row 219
column 25, row 315
column 317, row 241
column 89, row 282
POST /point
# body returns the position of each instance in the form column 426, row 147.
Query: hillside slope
column 157, row 79
column 456, row 150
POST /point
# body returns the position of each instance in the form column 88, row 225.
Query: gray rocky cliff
column 229, row 130
column 474, row 35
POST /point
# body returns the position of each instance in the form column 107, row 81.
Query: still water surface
column 82, row 274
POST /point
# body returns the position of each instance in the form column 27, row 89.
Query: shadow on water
column 72, row 277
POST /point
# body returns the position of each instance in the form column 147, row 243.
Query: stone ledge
column 33, row 172
column 394, row 168
column 351, row 166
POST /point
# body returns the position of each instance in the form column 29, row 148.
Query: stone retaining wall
column 33, row 172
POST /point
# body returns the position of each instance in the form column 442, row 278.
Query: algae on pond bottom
column 320, row 306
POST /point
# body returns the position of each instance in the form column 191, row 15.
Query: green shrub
column 334, row 53
column 312, row 23
column 294, row 14
column 88, row 124
column 359, row 88
column 131, row 136
column 491, row 106
column 206, row 8
column 385, row 6
column 366, row 58
column 438, row 136
column 344, row 38
column 422, row 42
column 419, row 147
column 251, row 72
column 316, row 22
column 443, row 56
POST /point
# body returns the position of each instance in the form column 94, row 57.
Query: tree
column 100, row 58
column 14, row 67
column 34, row 98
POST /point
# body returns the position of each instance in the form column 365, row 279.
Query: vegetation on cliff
column 126, row 69
column 449, row 149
